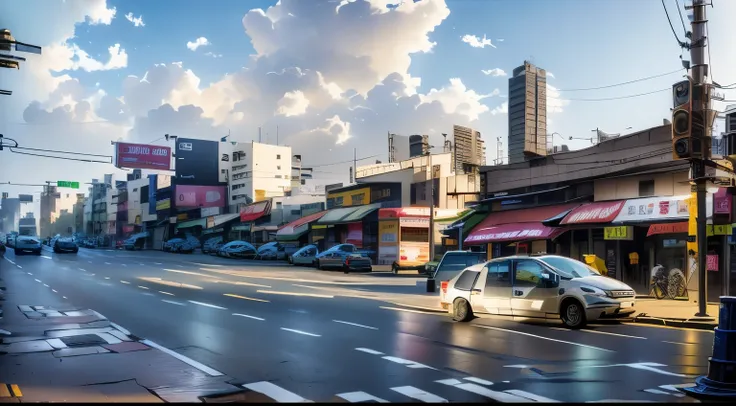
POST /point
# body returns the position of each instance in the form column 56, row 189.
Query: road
column 297, row 333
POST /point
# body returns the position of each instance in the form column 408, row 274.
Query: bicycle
column 667, row 283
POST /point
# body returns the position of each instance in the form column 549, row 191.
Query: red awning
column 668, row 228
column 513, row 232
column 530, row 218
column 598, row 212
column 291, row 227
column 255, row 211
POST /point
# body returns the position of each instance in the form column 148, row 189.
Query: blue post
column 720, row 384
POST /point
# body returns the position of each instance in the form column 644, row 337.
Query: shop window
column 646, row 188
column 278, row 156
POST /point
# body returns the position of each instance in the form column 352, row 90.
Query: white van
column 547, row 286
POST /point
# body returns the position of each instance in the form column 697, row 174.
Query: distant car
column 2, row 250
column 135, row 242
column 64, row 244
column 211, row 245
column 451, row 264
column 10, row 240
column 339, row 248
column 26, row 243
column 345, row 261
column 272, row 251
column 305, row 256
column 173, row 244
column 238, row 249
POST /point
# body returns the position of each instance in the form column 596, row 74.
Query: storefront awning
column 513, row 232
column 295, row 229
column 659, row 209
column 594, row 213
column 253, row 212
column 466, row 222
column 348, row 214
column 192, row 223
column 525, row 224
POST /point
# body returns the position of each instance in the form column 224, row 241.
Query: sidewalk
column 675, row 313
column 51, row 351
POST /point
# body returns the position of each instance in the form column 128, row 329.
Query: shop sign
column 182, row 216
column 388, row 232
column 722, row 202
column 242, row 227
column 163, row 204
column 601, row 212
column 213, row 231
column 667, row 228
column 712, row 262
column 209, row 211
column 414, row 222
column 656, row 208
column 210, row 222
column 719, row 229
column 623, row 233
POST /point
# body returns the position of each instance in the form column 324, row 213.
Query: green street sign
column 66, row 183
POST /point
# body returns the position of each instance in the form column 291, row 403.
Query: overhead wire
column 669, row 20
column 612, row 98
column 682, row 20
column 341, row 162
column 622, row 83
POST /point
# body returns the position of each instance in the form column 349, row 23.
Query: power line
column 682, row 20
column 622, row 83
column 613, row 98
column 62, row 152
column 341, row 162
column 680, row 43
column 60, row 157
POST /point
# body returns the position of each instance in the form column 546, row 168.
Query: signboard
column 163, row 204
column 210, row 222
column 624, row 233
column 260, row 195
column 712, row 263
column 209, row 211
column 23, row 198
column 668, row 228
column 719, row 229
column 420, row 222
column 142, row 156
column 66, row 183
column 388, row 232
column 162, row 181
column 722, row 202
column 658, row 208
column 199, row 196
column 611, row 263
column 599, row 212
column 356, row 197
column 197, row 162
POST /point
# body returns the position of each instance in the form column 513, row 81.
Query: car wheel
column 461, row 310
column 573, row 314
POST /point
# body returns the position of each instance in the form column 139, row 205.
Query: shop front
column 351, row 225
column 297, row 232
column 218, row 226
column 251, row 217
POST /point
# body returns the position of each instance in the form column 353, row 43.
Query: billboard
column 197, row 162
column 142, row 156
column 162, row 181
column 25, row 198
column 200, row 196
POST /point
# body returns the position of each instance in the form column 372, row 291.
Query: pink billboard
column 141, row 156
column 200, row 196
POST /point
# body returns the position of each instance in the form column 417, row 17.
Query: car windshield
column 570, row 268
column 459, row 261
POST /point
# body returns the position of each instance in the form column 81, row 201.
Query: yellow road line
column 246, row 298
column 16, row 391
column 4, row 392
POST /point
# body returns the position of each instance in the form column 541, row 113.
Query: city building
column 259, row 171
column 9, row 214
column 469, row 150
column 418, row 145
column 27, row 225
column 527, row 113
column 79, row 213
column 299, row 174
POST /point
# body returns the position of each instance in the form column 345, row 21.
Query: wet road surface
column 272, row 329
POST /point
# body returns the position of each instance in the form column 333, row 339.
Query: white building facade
column 259, row 171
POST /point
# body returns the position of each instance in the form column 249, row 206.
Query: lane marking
column 191, row 273
column 273, row 292
column 245, row 298
column 125, row 282
column 355, row 397
column 147, row 294
column 300, row 332
column 46, row 285
column 19, row 266
column 107, row 263
column 186, row 360
column 158, row 263
column 207, row 305
column 141, row 264
column 247, row 316
column 416, row 393
column 355, row 324
column 675, row 342
column 120, row 328
column 142, row 287
column 107, row 277
column 645, row 366
column 38, row 281
column 16, row 391
column 243, row 284
column 89, row 262
column 543, row 338
column 166, row 293
column 173, row 302
column 54, row 290
column 275, row 392
column 560, row 329
column 480, row 390
column 81, row 269
column 44, row 256
column 408, row 310
column 92, row 274
column 4, row 391
column 478, row 380
column 612, row 334
column 168, row 283
column 29, row 273
column 408, row 363
column 531, row 396
column 369, row 351
column 123, row 264
column 64, row 297
column 656, row 392
column 10, row 261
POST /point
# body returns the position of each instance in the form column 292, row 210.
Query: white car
column 305, row 256
column 547, row 286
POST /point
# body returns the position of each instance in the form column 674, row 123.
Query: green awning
column 291, row 237
column 348, row 214
column 361, row 212
column 470, row 221
column 192, row 223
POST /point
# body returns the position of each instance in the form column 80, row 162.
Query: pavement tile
column 73, row 352
column 127, row 346
column 27, row 346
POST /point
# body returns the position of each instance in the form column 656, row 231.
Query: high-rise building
column 469, row 150
column 418, row 145
column 527, row 113
column 259, row 171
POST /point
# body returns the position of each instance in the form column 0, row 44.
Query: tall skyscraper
column 527, row 113
column 469, row 149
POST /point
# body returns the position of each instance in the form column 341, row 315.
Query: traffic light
column 700, row 139
column 681, row 118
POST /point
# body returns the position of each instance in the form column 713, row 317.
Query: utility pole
column 699, row 72
column 431, row 207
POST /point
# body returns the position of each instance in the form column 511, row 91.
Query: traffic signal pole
column 699, row 69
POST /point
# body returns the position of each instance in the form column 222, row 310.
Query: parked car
column 547, row 286
column 2, row 249
column 238, row 249
column 304, row 256
column 135, row 242
column 272, row 251
column 174, row 244
column 10, row 240
column 24, row 243
column 451, row 264
column 210, row 245
column 340, row 248
column 64, row 244
column 345, row 261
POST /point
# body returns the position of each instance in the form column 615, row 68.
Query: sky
column 333, row 76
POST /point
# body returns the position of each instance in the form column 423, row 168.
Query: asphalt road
column 296, row 333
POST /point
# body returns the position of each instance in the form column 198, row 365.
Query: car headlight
column 593, row 291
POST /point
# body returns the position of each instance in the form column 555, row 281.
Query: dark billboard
column 197, row 162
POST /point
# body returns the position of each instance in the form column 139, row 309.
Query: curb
column 426, row 309
column 679, row 323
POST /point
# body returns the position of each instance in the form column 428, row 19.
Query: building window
column 278, row 167
column 646, row 188
column 278, row 156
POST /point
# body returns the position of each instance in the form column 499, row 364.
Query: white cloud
column 137, row 21
column 293, row 104
column 502, row 109
column 477, row 42
column 118, row 59
column 555, row 103
column 214, row 55
column 550, row 75
column 336, row 127
column 199, row 42
column 494, row 72
column 458, row 99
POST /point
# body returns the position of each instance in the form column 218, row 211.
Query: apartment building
column 259, row 171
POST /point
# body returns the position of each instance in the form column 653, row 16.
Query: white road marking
column 92, row 274
column 147, row 294
column 250, row 317
column 407, row 310
column 10, row 261
column 480, row 390
column 142, row 264
column 124, row 264
column 44, row 256
column 191, row 273
column 675, row 342
column 369, row 351
column 531, row 396
column 166, row 293
column 676, row 388
column 645, row 366
column 612, row 334
column 54, row 290
column 300, row 332
column 89, row 262
column 478, row 380
column 356, row 325
column 142, row 287
column 38, row 281
column 19, row 266
column 29, row 273
column 273, row 292
column 81, row 269
column 186, row 360
column 125, row 282
column 416, row 393
column 560, row 329
column 656, row 392
column 107, row 263
column 355, row 397
column 173, row 302
column 207, row 305
column 543, row 338
column 275, row 392
column 245, row 297
column 107, row 277
column 243, row 284
column 46, row 285
column 64, row 297
column 408, row 363
column 158, row 263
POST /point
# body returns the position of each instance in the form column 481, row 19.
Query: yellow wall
column 349, row 197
